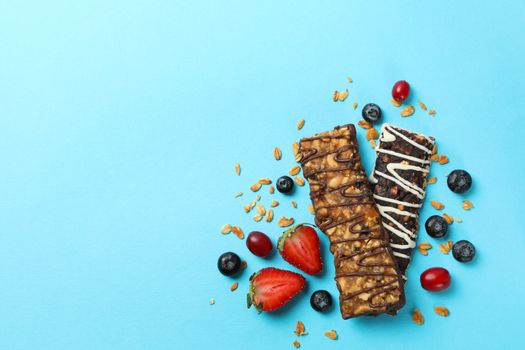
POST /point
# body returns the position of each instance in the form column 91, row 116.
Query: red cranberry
column 259, row 244
column 435, row 279
column 400, row 91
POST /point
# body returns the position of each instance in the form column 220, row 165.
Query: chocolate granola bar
column 398, row 181
column 367, row 276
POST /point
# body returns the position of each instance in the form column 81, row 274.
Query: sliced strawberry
column 271, row 288
column 300, row 247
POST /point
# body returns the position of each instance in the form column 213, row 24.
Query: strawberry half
column 300, row 247
column 271, row 288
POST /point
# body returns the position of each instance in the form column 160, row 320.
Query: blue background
column 121, row 122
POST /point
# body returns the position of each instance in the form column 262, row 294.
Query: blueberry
column 463, row 251
column 284, row 184
column 459, row 181
column 229, row 264
column 321, row 300
column 436, row 226
column 371, row 113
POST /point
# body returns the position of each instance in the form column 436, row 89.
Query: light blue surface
column 121, row 122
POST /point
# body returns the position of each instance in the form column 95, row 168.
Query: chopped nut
column 294, row 204
column 395, row 103
column 372, row 144
column 269, row 215
column 300, row 124
column 417, row 317
column 437, row 205
column 372, row 134
column 350, row 80
column 247, row 208
column 339, row 95
column 274, row 203
column 445, row 249
column 299, row 181
column 311, row 209
column 425, row 246
column 441, row 311
column 364, row 124
column 422, row 251
column 238, row 194
column 258, row 198
column 255, row 187
column 443, row 160
column 432, row 180
column 434, row 158
column 422, row 106
column 448, row 218
column 432, row 111
column 467, row 205
column 244, row 264
column 300, row 329
column 234, row 286
column 435, row 148
column 277, row 153
column 252, row 204
column 458, row 220
column 265, row 181
column 260, row 209
column 450, row 244
column 271, row 190
column 257, row 217
column 226, row 229
column 212, row 301
column 354, row 105
column 294, row 170
column 296, row 344
column 331, row 334
column 238, row 232
column 238, row 169
column 295, row 149
column 284, row 222
column 407, row 111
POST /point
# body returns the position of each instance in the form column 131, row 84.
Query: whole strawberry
column 300, row 247
column 271, row 288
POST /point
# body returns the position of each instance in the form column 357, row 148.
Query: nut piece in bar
column 367, row 276
column 398, row 181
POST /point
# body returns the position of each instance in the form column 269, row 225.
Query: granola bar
column 367, row 276
column 398, row 181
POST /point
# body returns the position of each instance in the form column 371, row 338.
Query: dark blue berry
column 229, row 264
column 436, row 226
column 463, row 251
column 321, row 300
column 284, row 184
column 459, row 181
column 371, row 113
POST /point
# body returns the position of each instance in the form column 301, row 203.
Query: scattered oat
column 300, row 124
column 443, row 160
column 331, row 334
column 364, row 124
column 234, row 286
column 238, row 232
column 422, row 106
column 226, row 229
column 437, row 205
column 294, row 170
column 458, row 220
column 441, row 311
column 311, row 209
column 299, row 181
column 432, row 111
column 277, row 153
column 212, row 301
column 258, row 198
column 407, row 111
column 255, row 187
column 432, row 180
column 238, row 169
column 354, row 105
column 265, row 181
column 296, row 344
column 417, row 317
column 372, row 144
column 244, row 264
column 294, row 204
column 269, row 215
column 339, row 95
column 274, row 203
column 238, row 194
column 467, row 205
column 271, row 190
column 284, row 222
column 372, row 134
column 395, row 103
column 350, row 80
column 300, row 329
